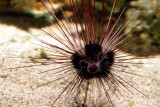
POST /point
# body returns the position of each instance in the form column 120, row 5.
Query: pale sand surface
column 17, row 86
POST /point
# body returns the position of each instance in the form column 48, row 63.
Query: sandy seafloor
column 18, row 86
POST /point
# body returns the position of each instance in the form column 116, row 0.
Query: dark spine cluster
column 93, row 63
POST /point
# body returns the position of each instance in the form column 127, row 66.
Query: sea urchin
column 90, row 54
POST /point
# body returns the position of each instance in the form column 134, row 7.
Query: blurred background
column 27, row 14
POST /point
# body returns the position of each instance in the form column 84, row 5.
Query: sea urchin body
column 91, row 53
column 94, row 63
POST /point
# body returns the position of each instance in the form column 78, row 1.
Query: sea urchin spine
column 89, row 57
